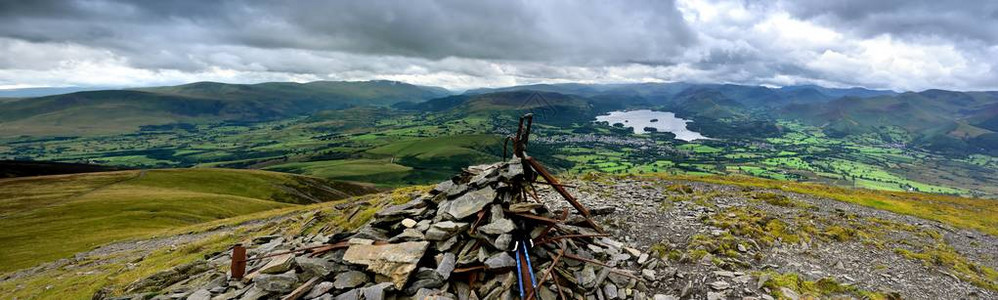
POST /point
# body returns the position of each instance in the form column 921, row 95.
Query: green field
column 343, row 169
column 445, row 147
column 48, row 217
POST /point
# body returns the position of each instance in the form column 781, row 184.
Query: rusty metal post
column 522, row 135
column 564, row 193
column 238, row 266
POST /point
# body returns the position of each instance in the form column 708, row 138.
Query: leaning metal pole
column 533, row 168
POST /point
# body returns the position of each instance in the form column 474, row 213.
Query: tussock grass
column 945, row 256
column 969, row 213
column 761, row 227
column 821, row 288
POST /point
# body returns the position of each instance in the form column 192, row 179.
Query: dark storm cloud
column 945, row 19
column 570, row 31
column 465, row 44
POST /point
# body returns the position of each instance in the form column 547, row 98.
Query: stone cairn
column 456, row 243
column 481, row 235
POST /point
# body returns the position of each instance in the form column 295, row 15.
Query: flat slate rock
column 471, row 203
column 393, row 260
column 349, row 279
column 500, row 260
column 280, row 283
column 498, row 227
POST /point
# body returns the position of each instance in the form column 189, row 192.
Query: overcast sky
column 460, row 44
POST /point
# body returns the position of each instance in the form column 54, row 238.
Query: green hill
column 48, row 217
column 548, row 107
column 372, row 170
column 940, row 120
column 502, row 101
column 101, row 112
column 707, row 103
column 404, row 162
column 119, row 111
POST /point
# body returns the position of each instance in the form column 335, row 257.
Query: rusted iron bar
column 557, row 284
column 561, row 190
column 540, row 282
column 330, row 247
column 286, row 252
column 532, row 217
column 544, row 234
column 557, row 184
column 481, row 215
column 469, row 269
column 571, row 236
column 598, row 263
column 533, row 193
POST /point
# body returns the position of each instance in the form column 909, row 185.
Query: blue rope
column 533, row 282
column 519, row 275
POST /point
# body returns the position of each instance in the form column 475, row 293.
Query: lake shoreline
column 665, row 121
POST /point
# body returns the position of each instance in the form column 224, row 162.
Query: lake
column 666, row 122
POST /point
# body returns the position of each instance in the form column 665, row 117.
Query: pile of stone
column 454, row 242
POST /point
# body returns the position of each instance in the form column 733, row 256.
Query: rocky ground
column 669, row 240
column 730, row 242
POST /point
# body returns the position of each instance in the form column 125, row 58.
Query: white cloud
column 461, row 45
column 904, row 65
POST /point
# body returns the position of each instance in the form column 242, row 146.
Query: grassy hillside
column 445, row 147
column 522, row 100
column 939, row 120
column 350, row 118
column 347, row 169
column 548, row 106
column 706, row 103
column 404, row 162
column 118, row 111
column 48, row 217
column 99, row 112
column 116, row 269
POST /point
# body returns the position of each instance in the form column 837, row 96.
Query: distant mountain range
column 940, row 120
column 115, row 111
column 46, row 91
column 694, row 100
column 934, row 118
column 946, row 121
column 758, row 95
